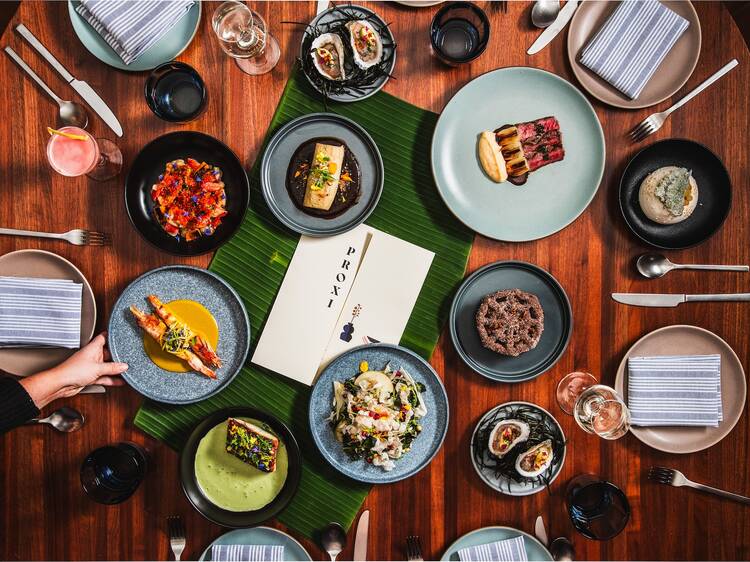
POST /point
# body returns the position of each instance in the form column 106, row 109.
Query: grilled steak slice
column 538, row 127
column 541, row 141
column 545, row 154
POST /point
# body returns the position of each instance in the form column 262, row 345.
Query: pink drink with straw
column 72, row 157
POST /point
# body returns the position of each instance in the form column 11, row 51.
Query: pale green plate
column 555, row 195
column 164, row 50
column 534, row 549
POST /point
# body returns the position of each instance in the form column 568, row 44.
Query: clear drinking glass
column 80, row 153
column 600, row 410
column 244, row 36
column 570, row 388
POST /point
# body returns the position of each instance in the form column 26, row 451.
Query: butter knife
column 557, row 26
column 655, row 299
column 84, row 90
column 540, row 531
column 360, row 539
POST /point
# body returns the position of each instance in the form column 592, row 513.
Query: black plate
column 558, row 321
column 236, row 519
column 714, row 193
column 144, row 173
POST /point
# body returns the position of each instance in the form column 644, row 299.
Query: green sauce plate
column 554, row 195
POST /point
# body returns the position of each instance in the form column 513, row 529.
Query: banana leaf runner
column 254, row 263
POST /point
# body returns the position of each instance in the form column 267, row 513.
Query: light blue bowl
column 434, row 425
column 164, row 50
column 534, row 549
column 555, row 195
column 293, row 551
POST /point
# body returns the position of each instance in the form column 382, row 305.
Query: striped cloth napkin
column 509, row 550
column 632, row 43
column 246, row 553
column 679, row 390
column 40, row 312
column 131, row 27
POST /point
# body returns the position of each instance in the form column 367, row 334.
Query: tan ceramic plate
column 681, row 340
column 38, row 263
column 672, row 73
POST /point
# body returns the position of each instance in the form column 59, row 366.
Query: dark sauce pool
column 347, row 193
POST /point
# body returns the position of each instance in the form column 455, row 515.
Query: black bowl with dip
column 238, row 519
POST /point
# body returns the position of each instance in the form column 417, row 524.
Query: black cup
column 598, row 509
column 175, row 92
column 459, row 32
column 111, row 474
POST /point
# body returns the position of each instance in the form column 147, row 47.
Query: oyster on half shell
column 506, row 435
column 536, row 460
column 327, row 52
column 366, row 44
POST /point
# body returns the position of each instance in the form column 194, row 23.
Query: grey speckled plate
column 503, row 485
column 279, row 153
column 173, row 283
column 434, row 424
column 558, row 321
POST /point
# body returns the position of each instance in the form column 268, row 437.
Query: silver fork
column 413, row 549
column 673, row 477
column 77, row 237
column 653, row 122
column 176, row 535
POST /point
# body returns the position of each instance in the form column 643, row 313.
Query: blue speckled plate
column 173, row 283
column 434, row 424
column 534, row 549
column 293, row 551
column 164, row 50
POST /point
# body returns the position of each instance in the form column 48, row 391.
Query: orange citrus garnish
column 52, row 131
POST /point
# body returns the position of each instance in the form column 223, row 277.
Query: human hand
column 89, row 365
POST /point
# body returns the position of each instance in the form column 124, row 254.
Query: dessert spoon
column 653, row 266
column 65, row 420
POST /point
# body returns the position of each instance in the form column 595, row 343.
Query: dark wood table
column 45, row 515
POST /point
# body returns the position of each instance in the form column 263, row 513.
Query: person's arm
column 23, row 399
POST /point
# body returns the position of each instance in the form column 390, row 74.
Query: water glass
column 243, row 35
column 570, row 388
column 111, row 474
column 175, row 92
column 459, row 33
column 598, row 509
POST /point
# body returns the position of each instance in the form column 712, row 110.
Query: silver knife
column 540, row 531
column 655, row 299
column 84, row 90
column 360, row 539
column 557, row 26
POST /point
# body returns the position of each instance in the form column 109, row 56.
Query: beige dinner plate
column 672, row 73
column 38, row 263
column 683, row 340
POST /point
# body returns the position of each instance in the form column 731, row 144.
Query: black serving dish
column 714, row 193
column 150, row 163
column 238, row 519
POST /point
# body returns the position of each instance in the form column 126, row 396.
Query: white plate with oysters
column 518, row 448
column 348, row 53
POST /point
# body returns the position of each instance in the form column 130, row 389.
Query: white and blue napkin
column 632, row 43
column 508, row 550
column 131, row 27
column 246, row 553
column 679, row 390
column 40, row 312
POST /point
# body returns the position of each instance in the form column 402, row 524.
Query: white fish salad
column 376, row 414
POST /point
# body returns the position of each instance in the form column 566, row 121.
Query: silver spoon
column 333, row 540
column 562, row 549
column 545, row 12
column 654, row 265
column 71, row 113
column 65, row 419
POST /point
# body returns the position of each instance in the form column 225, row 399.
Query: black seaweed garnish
column 358, row 81
column 541, row 428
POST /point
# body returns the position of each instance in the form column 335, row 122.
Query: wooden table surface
column 45, row 515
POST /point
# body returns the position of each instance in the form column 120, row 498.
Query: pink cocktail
column 100, row 159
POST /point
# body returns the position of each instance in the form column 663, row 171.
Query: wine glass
column 244, row 36
column 570, row 388
column 600, row 410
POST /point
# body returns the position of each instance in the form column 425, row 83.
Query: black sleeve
column 16, row 406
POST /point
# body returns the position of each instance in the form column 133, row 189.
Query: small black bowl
column 144, row 173
column 176, row 92
column 459, row 32
column 238, row 519
column 714, row 193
